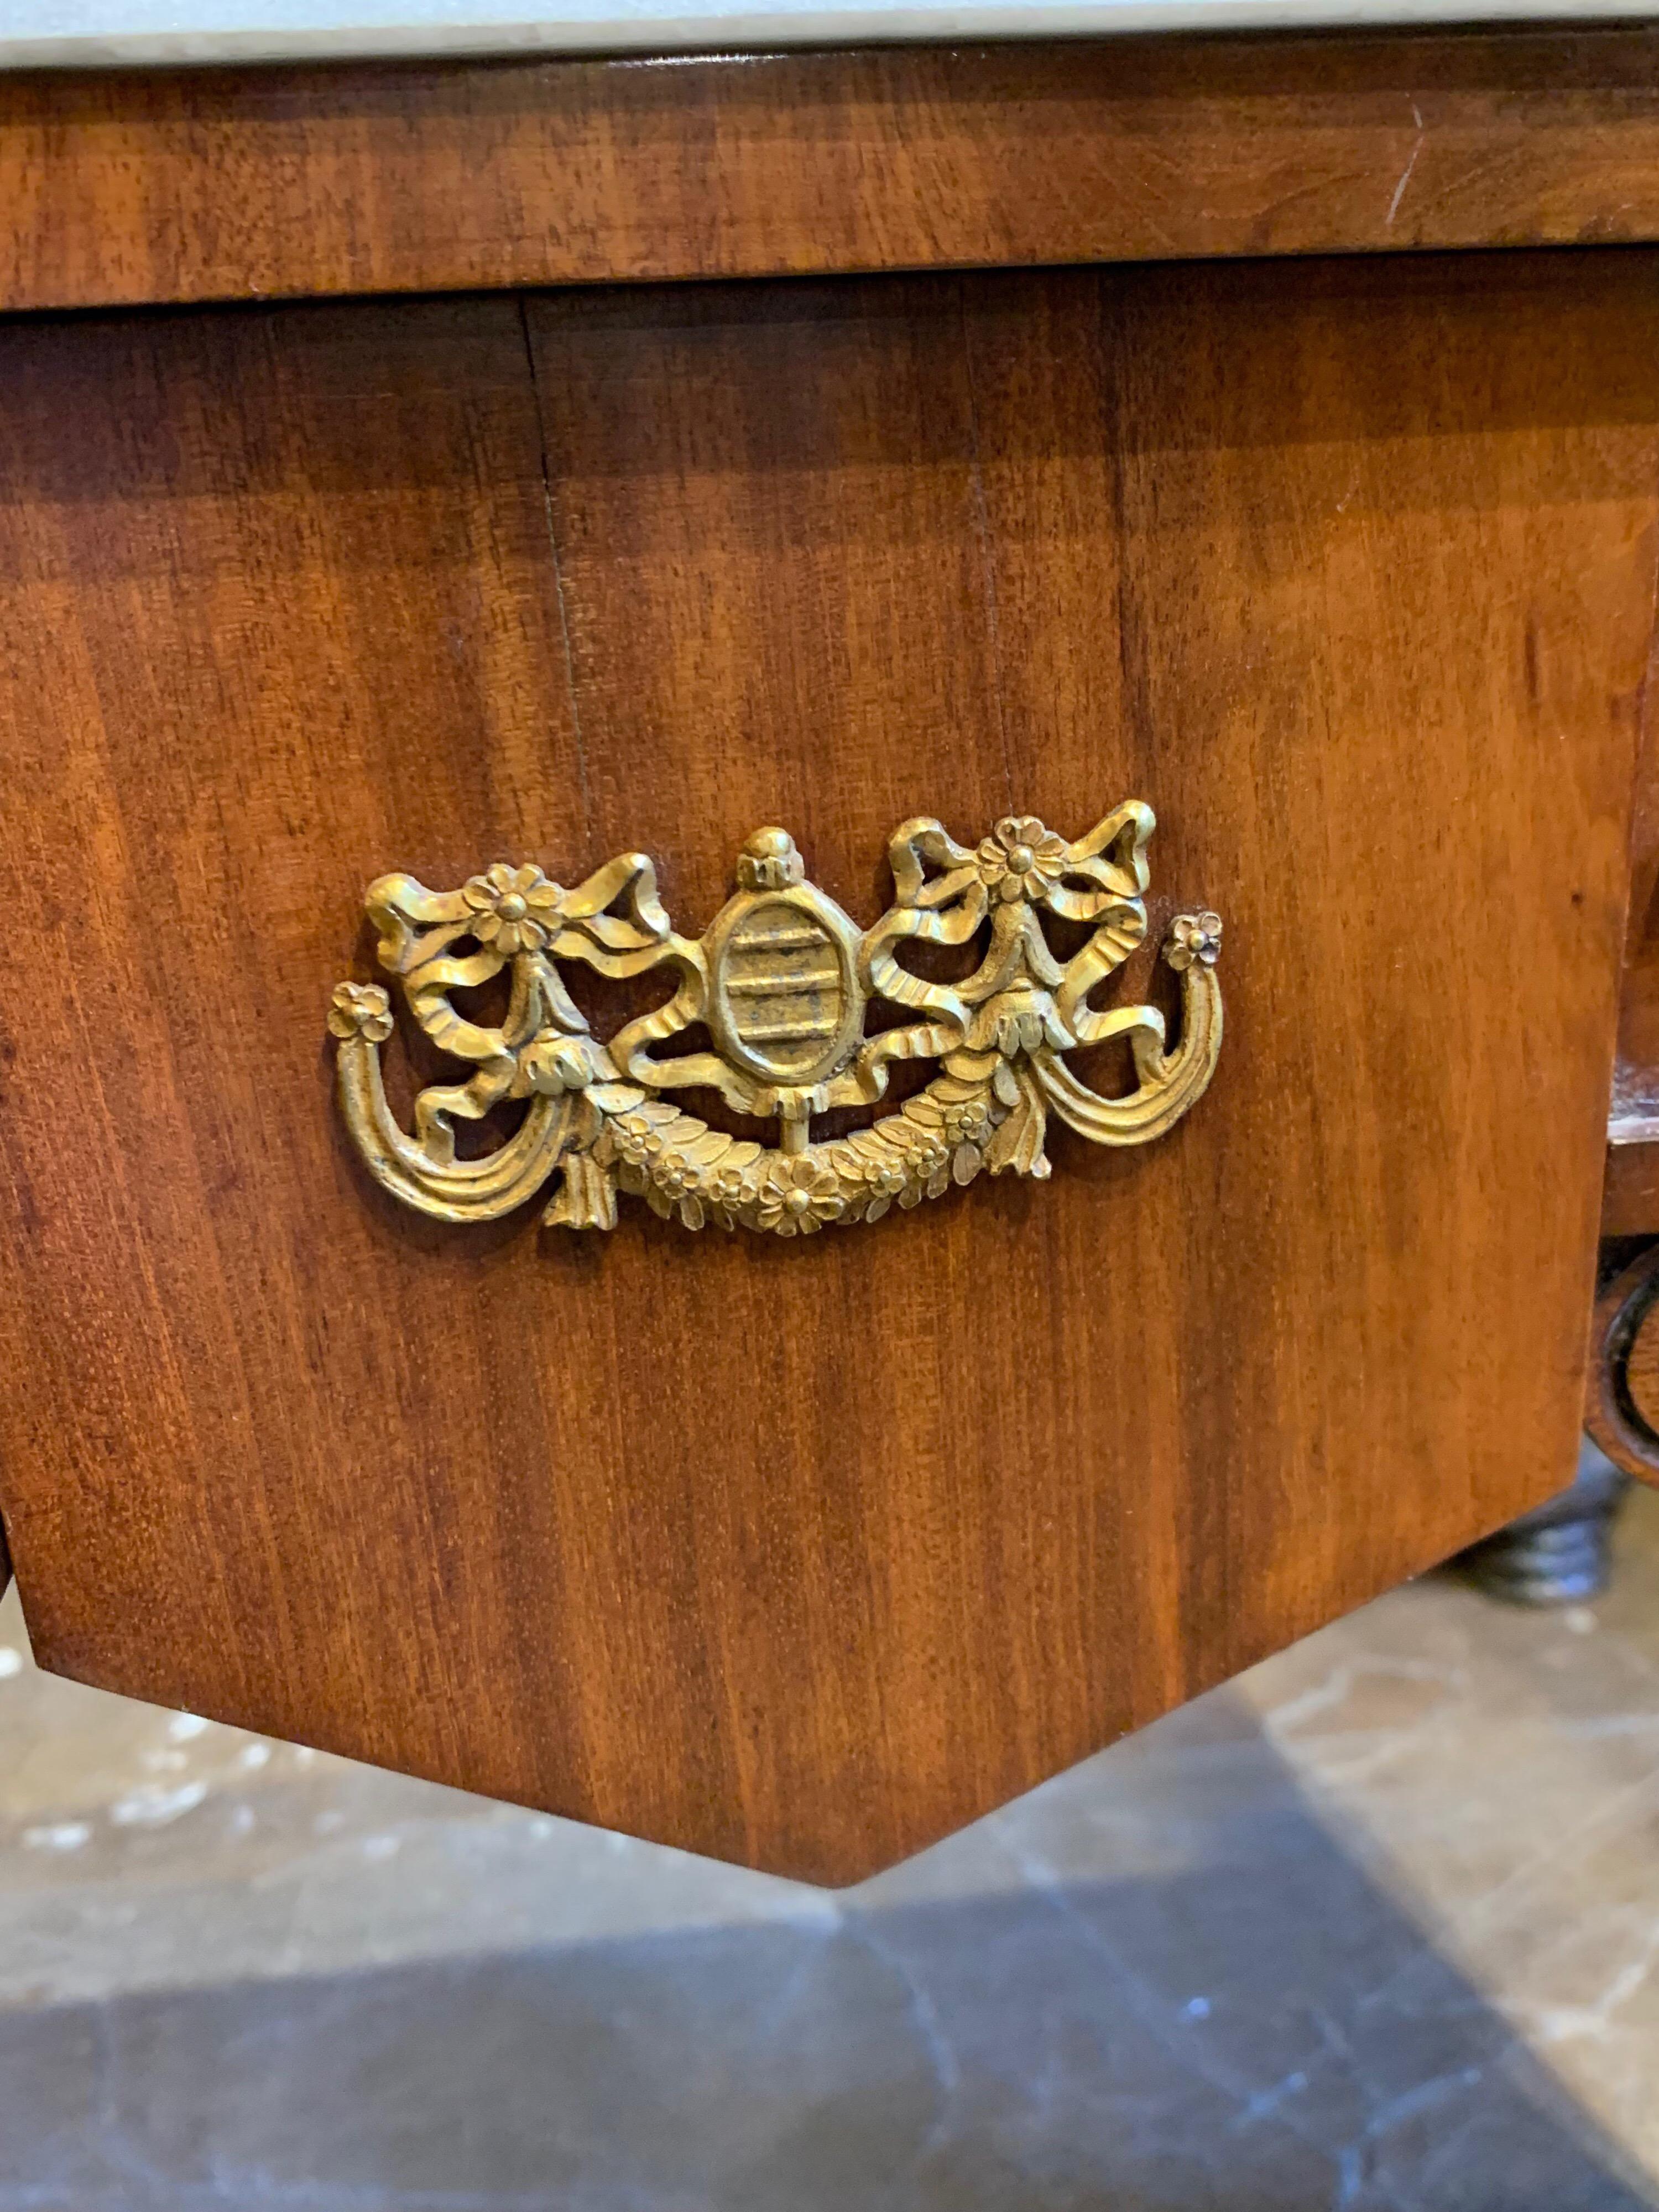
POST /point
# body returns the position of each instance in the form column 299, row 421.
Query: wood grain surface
column 805, row 1554
column 201, row 184
column 1630, row 1193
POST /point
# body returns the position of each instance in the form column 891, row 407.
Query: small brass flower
column 674, row 1177
column 885, row 1180
column 798, row 1196
column 968, row 1123
column 888, row 1177
column 730, row 1187
column 1194, row 937
column 514, row 910
column 928, row 1151
column 1021, row 859
column 359, row 1010
column 632, row 1138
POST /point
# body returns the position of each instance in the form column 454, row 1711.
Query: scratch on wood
column 1410, row 163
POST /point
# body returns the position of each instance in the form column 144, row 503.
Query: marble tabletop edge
column 118, row 33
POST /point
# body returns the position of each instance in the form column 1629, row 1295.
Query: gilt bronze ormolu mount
column 781, row 979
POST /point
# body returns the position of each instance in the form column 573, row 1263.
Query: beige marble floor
column 1375, row 1926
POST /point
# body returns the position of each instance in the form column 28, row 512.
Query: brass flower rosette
column 782, row 980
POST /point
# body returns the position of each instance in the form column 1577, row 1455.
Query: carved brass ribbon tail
column 1169, row 1081
column 456, row 1190
column 781, row 980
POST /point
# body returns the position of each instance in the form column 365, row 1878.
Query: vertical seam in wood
column 982, row 529
column 558, row 572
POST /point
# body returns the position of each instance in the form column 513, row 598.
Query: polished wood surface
column 197, row 184
column 1630, row 1195
column 805, row 1554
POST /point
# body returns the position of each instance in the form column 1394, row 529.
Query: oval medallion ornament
column 784, row 1002
column 781, row 979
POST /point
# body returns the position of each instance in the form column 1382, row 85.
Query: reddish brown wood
column 198, row 185
column 1630, row 1196
column 805, row 1554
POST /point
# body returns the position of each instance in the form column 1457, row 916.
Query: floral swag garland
column 596, row 1114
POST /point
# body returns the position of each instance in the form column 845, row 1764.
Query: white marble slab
column 95, row 33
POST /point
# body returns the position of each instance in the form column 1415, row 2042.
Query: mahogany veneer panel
column 1630, row 1196
column 197, row 184
column 805, row 1553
